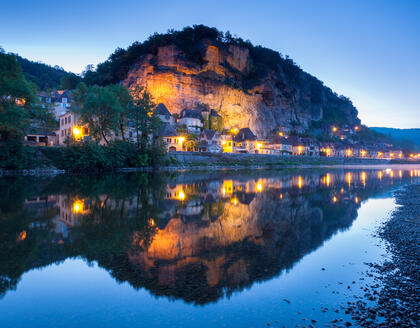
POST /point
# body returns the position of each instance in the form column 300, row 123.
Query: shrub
column 15, row 155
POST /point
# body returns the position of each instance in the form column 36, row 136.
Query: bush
column 15, row 155
column 91, row 156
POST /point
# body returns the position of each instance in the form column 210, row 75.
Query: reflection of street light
column 181, row 195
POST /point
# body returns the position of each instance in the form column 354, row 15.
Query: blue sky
column 366, row 50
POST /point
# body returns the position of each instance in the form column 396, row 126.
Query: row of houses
column 205, row 123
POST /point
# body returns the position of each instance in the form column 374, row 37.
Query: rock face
column 243, row 92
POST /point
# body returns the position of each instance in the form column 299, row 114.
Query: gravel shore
column 394, row 301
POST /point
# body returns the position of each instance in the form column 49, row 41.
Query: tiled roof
column 162, row 110
column 190, row 113
column 245, row 134
column 167, row 130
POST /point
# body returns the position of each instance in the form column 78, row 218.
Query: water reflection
column 195, row 237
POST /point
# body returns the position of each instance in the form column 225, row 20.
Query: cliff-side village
column 206, row 127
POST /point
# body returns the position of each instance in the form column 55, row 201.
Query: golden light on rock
column 281, row 133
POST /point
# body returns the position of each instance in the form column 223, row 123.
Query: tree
column 125, row 101
column 101, row 112
column 141, row 116
column 46, row 120
column 70, row 81
column 191, row 142
column 79, row 94
column 16, row 97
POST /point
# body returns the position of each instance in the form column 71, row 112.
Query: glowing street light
column 77, row 206
column 77, row 132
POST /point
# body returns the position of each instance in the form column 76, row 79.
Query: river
column 201, row 249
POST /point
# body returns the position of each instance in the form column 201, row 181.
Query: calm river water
column 218, row 249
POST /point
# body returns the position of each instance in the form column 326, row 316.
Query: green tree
column 141, row 115
column 125, row 102
column 101, row 112
column 16, row 97
column 191, row 142
column 46, row 121
column 70, row 81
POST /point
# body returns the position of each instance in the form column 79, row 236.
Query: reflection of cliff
column 197, row 238
column 201, row 261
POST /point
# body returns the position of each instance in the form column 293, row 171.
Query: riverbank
column 396, row 295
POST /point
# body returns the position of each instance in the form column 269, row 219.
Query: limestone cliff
column 243, row 91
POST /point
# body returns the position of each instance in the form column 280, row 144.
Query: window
column 64, row 105
column 85, row 131
column 62, row 133
column 62, row 121
column 63, row 100
column 69, row 118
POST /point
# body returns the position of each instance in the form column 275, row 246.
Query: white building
column 191, row 119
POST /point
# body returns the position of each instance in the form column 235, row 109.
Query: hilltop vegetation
column 408, row 137
column 45, row 76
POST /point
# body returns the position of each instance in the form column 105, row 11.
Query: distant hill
column 401, row 135
column 43, row 75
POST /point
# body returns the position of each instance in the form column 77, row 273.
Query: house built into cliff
column 191, row 119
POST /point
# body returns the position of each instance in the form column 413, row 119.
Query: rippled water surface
column 218, row 249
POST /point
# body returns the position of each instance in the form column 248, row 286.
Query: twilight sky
column 368, row 50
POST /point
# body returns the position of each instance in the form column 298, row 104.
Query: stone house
column 210, row 141
column 228, row 143
column 171, row 138
column 58, row 100
column 311, row 146
column 298, row 149
column 281, row 145
column 164, row 114
column 37, row 138
column 191, row 119
column 246, row 141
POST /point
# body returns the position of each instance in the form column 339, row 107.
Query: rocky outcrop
column 243, row 91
